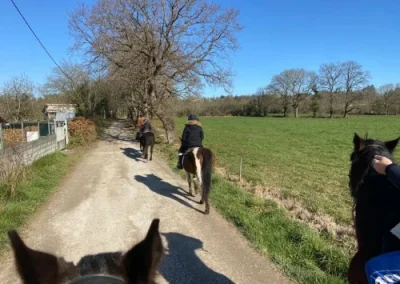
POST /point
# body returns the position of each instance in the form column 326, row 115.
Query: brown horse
column 138, row 265
column 199, row 162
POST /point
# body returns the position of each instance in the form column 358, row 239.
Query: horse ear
column 33, row 266
column 358, row 142
column 140, row 263
column 391, row 145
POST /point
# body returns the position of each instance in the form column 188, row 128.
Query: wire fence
column 13, row 134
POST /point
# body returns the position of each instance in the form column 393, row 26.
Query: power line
column 48, row 53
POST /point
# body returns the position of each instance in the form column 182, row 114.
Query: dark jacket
column 192, row 135
column 393, row 174
column 146, row 127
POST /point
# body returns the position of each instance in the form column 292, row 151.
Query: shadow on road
column 110, row 138
column 157, row 185
column 182, row 265
column 132, row 153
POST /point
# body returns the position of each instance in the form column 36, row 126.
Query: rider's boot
column 179, row 165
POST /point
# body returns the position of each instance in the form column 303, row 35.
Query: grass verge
column 304, row 254
column 43, row 178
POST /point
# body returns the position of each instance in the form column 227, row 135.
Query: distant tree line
column 338, row 89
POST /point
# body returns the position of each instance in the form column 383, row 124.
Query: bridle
column 98, row 279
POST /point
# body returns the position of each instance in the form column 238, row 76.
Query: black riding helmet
column 193, row 117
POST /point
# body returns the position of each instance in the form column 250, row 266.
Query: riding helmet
column 192, row 117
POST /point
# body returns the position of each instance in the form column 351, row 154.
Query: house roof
column 59, row 107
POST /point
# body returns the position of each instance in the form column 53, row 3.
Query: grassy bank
column 43, row 178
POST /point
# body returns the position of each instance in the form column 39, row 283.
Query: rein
column 98, row 279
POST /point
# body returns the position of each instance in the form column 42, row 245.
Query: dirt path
column 107, row 204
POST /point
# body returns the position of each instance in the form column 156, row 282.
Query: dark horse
column 376, row 205
column 138, row 265
column 146, row 140
column 199, row 162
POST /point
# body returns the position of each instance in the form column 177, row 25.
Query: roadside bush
column 12, row 137
column 12, row 170
column 82, row 131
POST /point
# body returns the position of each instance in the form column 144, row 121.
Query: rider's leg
column 180, row 158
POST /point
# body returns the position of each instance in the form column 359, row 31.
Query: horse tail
column 206, row 170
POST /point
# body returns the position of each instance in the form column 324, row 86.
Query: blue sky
column 277, row 35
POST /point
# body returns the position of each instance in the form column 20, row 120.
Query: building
column 50, row 110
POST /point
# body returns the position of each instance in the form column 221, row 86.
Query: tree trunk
column 285, row 110
column 346, row 112
column 296, row 112
column 169, row 128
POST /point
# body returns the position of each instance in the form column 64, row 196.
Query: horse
column 145, row 141
column 376, row 207
column 198, row 162
column 137, row 265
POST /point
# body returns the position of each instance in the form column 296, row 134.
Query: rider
column 145, row 127
column 385, row 166
column 192, row 136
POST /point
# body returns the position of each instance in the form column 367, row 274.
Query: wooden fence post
column 240, row 170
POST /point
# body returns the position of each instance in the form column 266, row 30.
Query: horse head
column 362, row 156
column 138, row 265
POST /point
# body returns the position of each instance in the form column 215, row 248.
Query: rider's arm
column 184, row 134
column 393, row 174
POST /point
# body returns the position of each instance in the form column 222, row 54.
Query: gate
column 61, row 134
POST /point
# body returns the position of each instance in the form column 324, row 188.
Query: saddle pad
column 384, row 269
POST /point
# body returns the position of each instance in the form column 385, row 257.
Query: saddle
column 189, row 150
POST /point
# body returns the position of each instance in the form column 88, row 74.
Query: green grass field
column 305, row 159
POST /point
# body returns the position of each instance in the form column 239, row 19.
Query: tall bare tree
column 178, row 44
column 331, row 80
column 388, row 97
column 294, row 85
column 16, row 100
column 354, row 79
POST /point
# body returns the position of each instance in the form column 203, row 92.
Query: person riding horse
column 144, row 127
column 192, row 136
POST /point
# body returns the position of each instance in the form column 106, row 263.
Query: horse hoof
column 207, row 212
column 201, row 202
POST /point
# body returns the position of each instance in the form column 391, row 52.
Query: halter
column 98, row 279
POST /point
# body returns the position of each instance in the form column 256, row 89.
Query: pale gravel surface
column 107, row 203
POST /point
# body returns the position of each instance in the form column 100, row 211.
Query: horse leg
column 356, row 272
column 189, row 179
column 144, row 154
column 196, row 186
column 151, row 152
